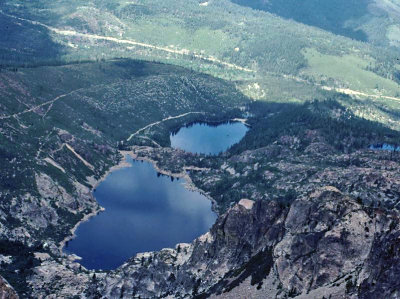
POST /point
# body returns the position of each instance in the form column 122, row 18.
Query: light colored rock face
column 6, row 291
column 323, row 245
column 49, row 189
column 246, row 203
column 36, row 212
column 69, row 281
column 337, row 239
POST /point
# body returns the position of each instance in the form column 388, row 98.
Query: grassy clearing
column 393, row 34
column 348, row 71
column 279, row 89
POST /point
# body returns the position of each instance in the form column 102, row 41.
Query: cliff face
column 191, row 269
column 321, row 241
column 6, row 291
column 325, row 244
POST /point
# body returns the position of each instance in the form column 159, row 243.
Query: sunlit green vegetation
column 363, row 20
column 230, row 33
column 348, row 71
column 268, row 58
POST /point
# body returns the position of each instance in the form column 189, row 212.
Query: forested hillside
column 267, row 57
column 304, row 202
column 375, row 21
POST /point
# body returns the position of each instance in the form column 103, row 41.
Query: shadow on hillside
column 328, row 15
column 22, row 43
column 337, row 126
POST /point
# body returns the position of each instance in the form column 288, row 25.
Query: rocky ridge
column 325, row 243
column 7, row 291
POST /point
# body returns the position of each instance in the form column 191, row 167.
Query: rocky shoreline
column 183, row 174
column 269, row 233
column 123, row 164
column 73, row 230
column 95, row 183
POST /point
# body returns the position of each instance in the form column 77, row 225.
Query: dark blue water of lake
column 144, row 212
column 148, row 212
column 206, row 139
column 385, row 147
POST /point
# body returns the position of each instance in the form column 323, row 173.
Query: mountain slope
column 60, row 128
column 268, row 57
column 306, row 207
column 375, row 21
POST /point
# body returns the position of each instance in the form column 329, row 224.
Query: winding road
column 160, row 121
column 183, row 52
column 38, row 106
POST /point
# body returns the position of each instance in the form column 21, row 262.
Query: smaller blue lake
column 385, row 147
column 207, row 139
column 144, row 212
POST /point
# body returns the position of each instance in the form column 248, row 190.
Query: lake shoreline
column 126, row 162
column 209, row 138
column 189, row 185
column 95, row 183
column 123, row 163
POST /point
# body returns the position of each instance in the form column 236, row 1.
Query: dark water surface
column 144, row 212
column 207, row 139
column 148, row 212
column 385, row 147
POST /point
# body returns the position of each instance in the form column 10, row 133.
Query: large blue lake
column 147, row 212
column 206, row 139
column 144, row 212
